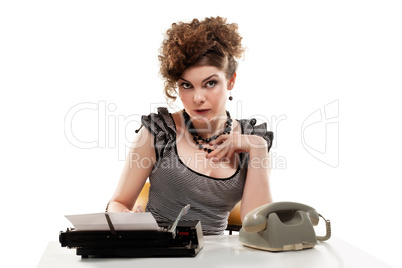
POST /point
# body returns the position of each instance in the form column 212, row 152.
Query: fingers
column 225, row 147
column 139, row 209
column 219, row 153
column 219, row 140
column 221, row 150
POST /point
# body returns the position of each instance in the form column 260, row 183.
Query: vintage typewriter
column 180, row 239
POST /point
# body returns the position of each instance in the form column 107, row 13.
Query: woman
column 199, row 156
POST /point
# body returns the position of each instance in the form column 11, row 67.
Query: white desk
column 226, row 251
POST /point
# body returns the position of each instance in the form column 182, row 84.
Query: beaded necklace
column 198, row 139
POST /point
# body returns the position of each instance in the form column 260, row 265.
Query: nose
column 199, row 96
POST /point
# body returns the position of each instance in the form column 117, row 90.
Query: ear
column 232, row 82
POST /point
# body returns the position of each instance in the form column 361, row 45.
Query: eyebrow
column 209, row 77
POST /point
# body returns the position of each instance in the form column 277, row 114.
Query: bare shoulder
column 236, row 127
column 143, row 144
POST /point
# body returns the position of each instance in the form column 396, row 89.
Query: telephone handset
column 282, row 226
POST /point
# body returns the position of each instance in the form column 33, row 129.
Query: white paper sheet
column 121, row 221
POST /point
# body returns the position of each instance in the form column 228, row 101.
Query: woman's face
column 203, row 91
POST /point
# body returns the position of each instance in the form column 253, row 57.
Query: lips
column 201, row 111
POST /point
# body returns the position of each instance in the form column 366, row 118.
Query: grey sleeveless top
column 174, row 185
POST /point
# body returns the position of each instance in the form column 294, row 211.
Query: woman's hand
column 137, row 210
column 227, row 145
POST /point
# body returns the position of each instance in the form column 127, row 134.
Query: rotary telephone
column 282, row 226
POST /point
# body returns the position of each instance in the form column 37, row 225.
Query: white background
column 302, row 55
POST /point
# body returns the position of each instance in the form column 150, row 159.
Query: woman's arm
column 138, row 166
column 257, row 191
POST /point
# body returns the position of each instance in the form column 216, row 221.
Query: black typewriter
column 180, row 239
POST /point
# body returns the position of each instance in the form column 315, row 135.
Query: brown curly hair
column 209, row 42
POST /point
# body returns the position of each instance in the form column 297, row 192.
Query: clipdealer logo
column 319, row 131
column 107, row 129
column 111, row 128
column 320, row 134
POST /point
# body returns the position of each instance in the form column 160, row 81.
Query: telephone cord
column 328, row 230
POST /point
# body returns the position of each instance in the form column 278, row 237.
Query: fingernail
column 215, row 159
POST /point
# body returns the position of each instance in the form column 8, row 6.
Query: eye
column 185, row 85
column 211, row 83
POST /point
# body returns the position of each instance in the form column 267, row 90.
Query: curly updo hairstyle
column 210, row 42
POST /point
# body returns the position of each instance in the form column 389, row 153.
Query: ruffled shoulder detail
column 162, row 126
column 160, row 122
column 249, row 128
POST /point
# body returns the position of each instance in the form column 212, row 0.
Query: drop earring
column 230, row 97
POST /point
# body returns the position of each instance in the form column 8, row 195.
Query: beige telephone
column 282, row 226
